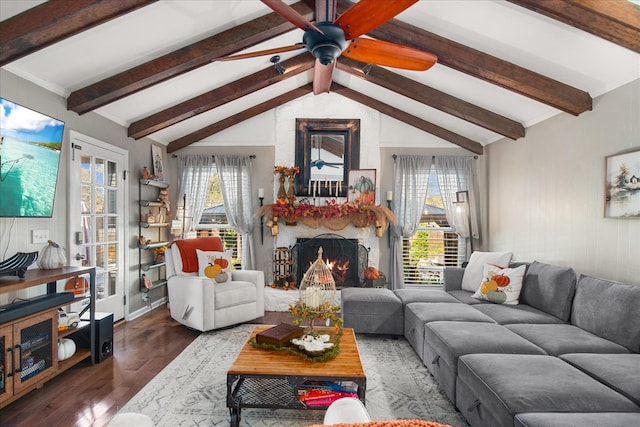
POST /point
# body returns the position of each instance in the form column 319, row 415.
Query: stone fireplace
column 345, row 257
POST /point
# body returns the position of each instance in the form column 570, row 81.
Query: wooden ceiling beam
column 406, row 118
column 615, row 21
column 182, row 61
column 263, row 107
column 219, row 96
column 434, row 98
column 484, row 66
column 56, row 20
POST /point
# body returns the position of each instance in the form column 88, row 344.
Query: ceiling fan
column 327, row 40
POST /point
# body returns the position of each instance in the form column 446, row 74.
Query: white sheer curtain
column 195, row 171
column 410, row 184
column 457, row 173
column 235, row 182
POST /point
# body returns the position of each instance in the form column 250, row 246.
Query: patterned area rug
column 191, row 390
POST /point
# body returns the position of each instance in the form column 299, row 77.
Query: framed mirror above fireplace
column 325, row 151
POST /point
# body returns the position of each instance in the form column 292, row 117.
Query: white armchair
column 201, row 303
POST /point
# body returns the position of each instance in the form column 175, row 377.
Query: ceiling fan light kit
column 325, row 46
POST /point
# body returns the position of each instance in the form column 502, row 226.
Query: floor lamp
column 462, row 216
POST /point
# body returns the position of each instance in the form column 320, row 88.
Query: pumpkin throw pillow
column 214, row 265
column 501, row 285
column 472, row 276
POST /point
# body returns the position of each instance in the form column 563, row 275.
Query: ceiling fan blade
column 379, row 52
column 284, row 10
column 366, row 15
column 296, row 46
column 322, row 77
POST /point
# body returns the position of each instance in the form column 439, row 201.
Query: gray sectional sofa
column 568, row 352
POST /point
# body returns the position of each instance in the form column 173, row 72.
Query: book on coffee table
column 279, row 335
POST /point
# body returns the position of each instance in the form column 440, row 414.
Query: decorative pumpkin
column 221, row 277
column 52, row 256
column 222, row 262
column 371, row 273
column 368, row 197
column 501, row 280
column 66, row 348
column 212, row 270
column 497, row 297
column 488, row 286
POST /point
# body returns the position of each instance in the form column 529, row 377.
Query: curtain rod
column 252, row 156
column 395, row 156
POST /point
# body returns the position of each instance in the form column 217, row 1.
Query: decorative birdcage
column 317, row 285
column 317, row 295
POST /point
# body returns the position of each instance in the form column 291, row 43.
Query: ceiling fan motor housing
column 328, row 46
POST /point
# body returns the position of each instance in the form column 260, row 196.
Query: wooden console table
column 37, row 333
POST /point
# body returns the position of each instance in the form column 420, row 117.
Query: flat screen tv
column 30, row 145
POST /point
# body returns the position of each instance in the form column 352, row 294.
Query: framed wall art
column 158, row 166
column 362, row 186
column 622, row 185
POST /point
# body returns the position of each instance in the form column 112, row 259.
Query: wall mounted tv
column 30, row 146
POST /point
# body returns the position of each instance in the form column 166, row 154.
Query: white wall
column 546, row 191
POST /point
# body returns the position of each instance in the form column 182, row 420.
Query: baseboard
column 147, row 308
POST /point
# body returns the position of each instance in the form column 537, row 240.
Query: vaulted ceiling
column 154, row 66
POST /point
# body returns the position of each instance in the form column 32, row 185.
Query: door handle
column 80, row 257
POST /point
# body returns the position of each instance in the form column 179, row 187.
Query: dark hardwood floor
column 87, row 395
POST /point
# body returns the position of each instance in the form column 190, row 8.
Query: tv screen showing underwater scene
column 30, row 144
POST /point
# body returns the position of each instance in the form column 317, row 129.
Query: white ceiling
column 502, row 29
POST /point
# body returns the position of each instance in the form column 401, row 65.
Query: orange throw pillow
column 188, row 250
column 388, row 423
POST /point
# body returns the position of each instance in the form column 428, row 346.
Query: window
column 434, row 246
column 214, row 222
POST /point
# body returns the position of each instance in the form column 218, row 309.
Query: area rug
column 191, row 390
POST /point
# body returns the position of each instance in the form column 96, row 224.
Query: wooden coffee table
column 271, row 379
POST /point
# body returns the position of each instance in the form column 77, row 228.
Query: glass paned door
column 99, row 228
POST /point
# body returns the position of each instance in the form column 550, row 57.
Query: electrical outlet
column 145, row 297
column 39, row 236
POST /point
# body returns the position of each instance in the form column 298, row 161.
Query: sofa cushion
column 372, row 311
column 620, row 372
column 609, row 310
column 220, row 263
column 472, row 277
column 408, row 296
column 575, row 419
column 188, row 259
column 417, row 314
column 466, row 297
column 508, row 314
column 230, row 294
column 501, row 285
column 549, row 288
column 490, row 391
column 445, row 342
column 562, row 339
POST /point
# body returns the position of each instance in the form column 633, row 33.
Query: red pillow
column 188, row 250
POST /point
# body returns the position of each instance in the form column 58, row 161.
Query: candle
column 310, row 189
column 261, row 193
column 329, row 188
column 315, row 188
column 389, row 195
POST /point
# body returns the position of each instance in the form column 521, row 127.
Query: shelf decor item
column 17, row 264
column 317, row 296
column 52, row 256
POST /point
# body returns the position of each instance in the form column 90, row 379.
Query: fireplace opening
column 346, row 258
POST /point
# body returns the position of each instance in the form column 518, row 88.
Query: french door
column 97, row 218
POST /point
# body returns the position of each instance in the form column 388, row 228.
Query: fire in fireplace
column 345, row 257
